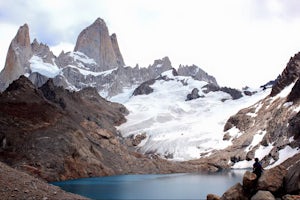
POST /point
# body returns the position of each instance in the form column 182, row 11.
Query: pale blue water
column 162, row 186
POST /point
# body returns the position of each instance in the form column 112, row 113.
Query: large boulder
column 249, row 181
column 265, row 195
column 292, row 179
column 235, row 192
column 212, row 197
column 144, row 88
column 272, row 179
column 197, row 73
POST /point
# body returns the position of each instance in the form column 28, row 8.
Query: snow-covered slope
column 268, row 134
column 178, row 129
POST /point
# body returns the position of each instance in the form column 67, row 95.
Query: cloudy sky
column 240, row 42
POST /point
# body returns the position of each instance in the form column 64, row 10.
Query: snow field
column 182, row 129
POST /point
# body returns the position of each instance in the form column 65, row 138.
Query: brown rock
column 272, row 179
column 249, row 180
column 291, row 197
column 235, row 192
column 289, row 75
column 15, row 184
column 18, row 54
column 116, row 48
column 95, row 42
column 137, row 139
column 212, row 197
column 292, row 179
column 265, row 195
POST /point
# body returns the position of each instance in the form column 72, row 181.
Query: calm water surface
column 162, row 186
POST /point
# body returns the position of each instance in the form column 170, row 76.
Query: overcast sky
column 239, row 42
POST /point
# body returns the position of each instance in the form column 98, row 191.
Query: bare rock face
column 235, row 192
column 288, row 76
column 43, row 51
column 197, row 73
column 19, row 53
column 249, row 181
column 266, row 195
column 96, row 43
column 116, row 49
column 272, row 180
column 212, row 197
column 292, row 179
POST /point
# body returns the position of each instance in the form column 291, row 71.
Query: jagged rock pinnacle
column 18, row 54
column 96, row 43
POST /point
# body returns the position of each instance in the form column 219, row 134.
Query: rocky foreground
column 280, row 182
column 20, row 185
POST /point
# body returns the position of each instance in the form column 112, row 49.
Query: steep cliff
column 95, row 42
column 17, row 59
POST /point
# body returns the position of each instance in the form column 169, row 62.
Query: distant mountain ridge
column 96, row 61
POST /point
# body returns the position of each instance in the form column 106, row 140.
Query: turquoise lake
column 153, row 186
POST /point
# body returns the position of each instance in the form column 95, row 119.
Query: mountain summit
column 95, row 42
column 95, row 62
column 19, row 53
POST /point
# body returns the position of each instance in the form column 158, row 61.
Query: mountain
column 74, row 131
column 95, row 42
column 95, row 62
column 268, row 129
column 181, row 118
column 18, row 55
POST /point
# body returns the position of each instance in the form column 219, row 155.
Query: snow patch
column 257, row 138
column 262, row 151
column 287, row 104
column 243, row 164
column 286, row 91
column 46, row 69
column 87, row 72
column 79, row 56
column 284, row 154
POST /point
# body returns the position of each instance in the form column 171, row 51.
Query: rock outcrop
column 17, row 58
column 95, row 42
column 288, row 76
column 274, row 119
column 271, row 185
column 193, row 95
column 20, row 185
column 197, row 73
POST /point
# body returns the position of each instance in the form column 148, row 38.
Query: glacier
column 177, row 129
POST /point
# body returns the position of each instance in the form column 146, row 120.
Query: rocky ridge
column 268, row 129
column 95, row 62
column 75, row 131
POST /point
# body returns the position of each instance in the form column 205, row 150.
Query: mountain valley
column 85, row 113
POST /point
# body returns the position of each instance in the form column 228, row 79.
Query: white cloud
column 239, row 42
